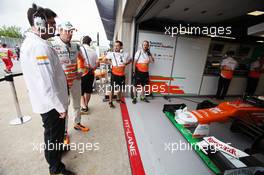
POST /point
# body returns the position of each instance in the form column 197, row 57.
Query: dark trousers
column 252, row 84
column 53, row 137
column 223, row 85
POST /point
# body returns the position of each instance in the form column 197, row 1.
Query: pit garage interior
column 190, row 64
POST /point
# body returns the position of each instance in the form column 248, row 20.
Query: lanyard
column 68, row 45
column 87, row 58
column 68, row 50
column 116, row 60
column 138, row 57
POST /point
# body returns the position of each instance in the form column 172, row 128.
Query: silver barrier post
column 20, row 119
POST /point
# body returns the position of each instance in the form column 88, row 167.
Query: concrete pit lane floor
column 20, row 153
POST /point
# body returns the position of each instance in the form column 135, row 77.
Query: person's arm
column 136, row 57
column 45, row 62
column 129, row 60
column 97, row 62
column 151, row 59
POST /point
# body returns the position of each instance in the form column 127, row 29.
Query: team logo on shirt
column 42, row 60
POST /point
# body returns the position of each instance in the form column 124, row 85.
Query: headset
column 39, row 22
column 81, row 40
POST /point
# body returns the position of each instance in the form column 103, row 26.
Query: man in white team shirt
column 255, row 71
column 228, row 66
column 119, row 60
column 46, row 84
column 92, row 63
column 142, row 59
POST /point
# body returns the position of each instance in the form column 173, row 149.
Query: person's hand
column 79, row 75
column 63, row 115
column 88, row 66
column 148, row 52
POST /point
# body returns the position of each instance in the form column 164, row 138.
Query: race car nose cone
column 187, row 118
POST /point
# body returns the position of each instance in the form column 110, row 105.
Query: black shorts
column 87, row 83
column 141, row 78
column 117, row 81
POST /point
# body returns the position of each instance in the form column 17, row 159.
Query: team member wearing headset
column 142, row 59
column 46, row 83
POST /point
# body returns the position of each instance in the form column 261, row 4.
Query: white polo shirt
column 89, row 54
column 142, row 57
column 229, row 62
column 254, row 65
column 118, row 58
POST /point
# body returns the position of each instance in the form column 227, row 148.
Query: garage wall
column 237, row 86
column 210, row 84
column 260, row 88
column 179, row 59
column 162, row 48
column 190, row 58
